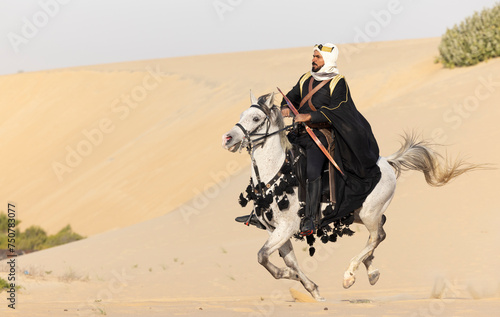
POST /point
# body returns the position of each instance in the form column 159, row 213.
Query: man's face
column 317, row 61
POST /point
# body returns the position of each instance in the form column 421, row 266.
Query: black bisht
column 356, row 153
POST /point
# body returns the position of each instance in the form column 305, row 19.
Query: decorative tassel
column 269, row 214
column 312, row 250
column 301, row 212
column 348, row 220
column 289, row 189
column 328, row 210
column 283, row 203
column 287, row 169
column 332, row 237
column 268, row 200
column 324, row 239
column 293, row 181
column 250, row 193
column 243, row 202
column 278, row 189
column 310, row 240
column 347, row 231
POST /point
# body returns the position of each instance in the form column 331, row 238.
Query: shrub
column 65, row 235
column 32, row 238
column 472, row 41
column 3, row 284
column 35, row 238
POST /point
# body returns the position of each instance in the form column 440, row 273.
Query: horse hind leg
column 373, row 272
column 377, row 234
column 288, row 255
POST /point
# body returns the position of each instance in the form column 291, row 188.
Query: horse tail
column 418, row 156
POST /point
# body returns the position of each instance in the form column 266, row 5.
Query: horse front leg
column 280, row 239
column 275, row 241
column 288, row 255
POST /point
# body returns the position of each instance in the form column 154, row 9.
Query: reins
column 263, row 136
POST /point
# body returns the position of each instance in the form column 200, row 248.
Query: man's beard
column 315, row 67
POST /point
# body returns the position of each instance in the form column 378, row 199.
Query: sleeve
column 339, row 96
column 293, row 95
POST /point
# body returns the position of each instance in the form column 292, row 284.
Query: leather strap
column 312, row 92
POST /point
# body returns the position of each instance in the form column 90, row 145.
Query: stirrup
column 253, row 221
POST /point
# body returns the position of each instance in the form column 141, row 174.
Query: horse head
column 255, row 123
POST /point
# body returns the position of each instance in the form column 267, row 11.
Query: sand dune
column 157, row 172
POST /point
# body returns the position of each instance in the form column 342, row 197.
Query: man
column 324, row 102
column 323, row 99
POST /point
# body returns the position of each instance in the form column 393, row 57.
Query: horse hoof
column 349, row 281
column 320, row 299
column 316, row 296
column 373, row 276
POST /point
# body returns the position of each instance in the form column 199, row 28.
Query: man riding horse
column 324, row 103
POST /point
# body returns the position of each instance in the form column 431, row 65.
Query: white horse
column 263, row 121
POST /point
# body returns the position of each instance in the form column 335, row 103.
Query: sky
column 46, row 34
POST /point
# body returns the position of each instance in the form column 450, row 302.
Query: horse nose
column 226, row 138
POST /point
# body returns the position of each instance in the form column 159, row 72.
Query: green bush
column 35, row 238
column 65, row 235
column 32, row 238
column 3, row 284
column 472, row 41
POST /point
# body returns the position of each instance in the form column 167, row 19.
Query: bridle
column 252, row 143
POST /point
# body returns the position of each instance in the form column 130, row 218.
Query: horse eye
column 256, row 119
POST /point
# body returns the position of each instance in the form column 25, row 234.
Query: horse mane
column 274, row 113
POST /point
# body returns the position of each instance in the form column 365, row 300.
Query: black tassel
column 310, row 239
column 332, row 237
column 324, row 239
column 268, row 199
column 250, row 193
column 328, row 210
column 312, row 250
column 283, row 203
column 293, row 181
column 348, row 220
column 243, row 202
column 286, row 169
column 278, row 189
column 269, row 214
column 289, row 189
column 301, row 212
column 347, row 231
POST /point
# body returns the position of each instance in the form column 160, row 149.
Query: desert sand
column 129, row 154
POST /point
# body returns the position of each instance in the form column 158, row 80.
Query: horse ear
column 270, row 100
column 253, row 100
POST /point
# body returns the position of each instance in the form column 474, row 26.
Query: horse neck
column 269, row 158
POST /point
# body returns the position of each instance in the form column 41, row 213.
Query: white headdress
column 330, row 53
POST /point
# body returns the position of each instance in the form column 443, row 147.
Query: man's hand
column 303, row 117
column 285, row 112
